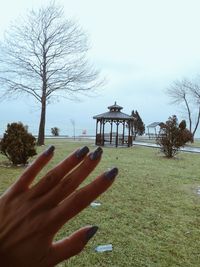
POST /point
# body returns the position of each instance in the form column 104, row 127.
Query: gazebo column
column 116, row 141
column 123, row 132
column 96, row 141
column 111, row 132
column 103, row 133
column 97, row 127
column 100, row 128
column 129, row 134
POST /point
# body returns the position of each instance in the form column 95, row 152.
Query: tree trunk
column 197, row 123
column 41, row 132
column 189, row 114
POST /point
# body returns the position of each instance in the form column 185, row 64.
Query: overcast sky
column 140, row 46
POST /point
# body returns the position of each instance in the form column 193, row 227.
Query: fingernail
column 49, row 150
column 91, row 232
column 96, row 154
column 110, row 175
column 82, row 152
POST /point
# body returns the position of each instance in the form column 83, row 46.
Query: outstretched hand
column 31, row 216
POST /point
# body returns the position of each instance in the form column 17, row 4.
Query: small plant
column 172, row 136
column 55, row 131
column 17, row 144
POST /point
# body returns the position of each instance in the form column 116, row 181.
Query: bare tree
column 187, row 92
column 44, row 55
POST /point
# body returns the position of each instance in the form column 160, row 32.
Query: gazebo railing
column 111, row 139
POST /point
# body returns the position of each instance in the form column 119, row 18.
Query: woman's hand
column 31, row 216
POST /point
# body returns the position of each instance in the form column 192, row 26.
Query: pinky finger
column 30, row 173
column 70, row 246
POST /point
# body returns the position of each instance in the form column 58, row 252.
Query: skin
column 30, row 216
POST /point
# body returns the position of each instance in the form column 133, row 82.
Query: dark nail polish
column 82, row 152
column 96, row 154
column 91, row 232
column 49, row 150
column 110, row 175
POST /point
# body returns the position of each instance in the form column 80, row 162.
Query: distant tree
column 44, row 55
column 55, row 131
column 172, row 136
column 137, row 125
column 17, row 144
column 187, row 92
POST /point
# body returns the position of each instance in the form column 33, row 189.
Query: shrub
column 172, row 136
column 17, row 144
column 55, row 131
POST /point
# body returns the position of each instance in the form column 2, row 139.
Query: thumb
column 70, row 246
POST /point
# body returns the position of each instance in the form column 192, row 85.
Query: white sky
column 141, row 46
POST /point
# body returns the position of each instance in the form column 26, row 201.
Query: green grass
column 151, row 214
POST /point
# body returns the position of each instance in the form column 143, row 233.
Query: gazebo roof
column 114, row 114
column 115, row 107
column 153, row 124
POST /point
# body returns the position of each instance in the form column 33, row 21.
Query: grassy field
column 151, row 215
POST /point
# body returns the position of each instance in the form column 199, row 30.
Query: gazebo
column 153, row 126
column 113, row 127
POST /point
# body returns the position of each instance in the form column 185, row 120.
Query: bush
column 55, row 131
column 17, row 144
column 173, row 136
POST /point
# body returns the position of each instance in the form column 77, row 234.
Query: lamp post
column 73, row 125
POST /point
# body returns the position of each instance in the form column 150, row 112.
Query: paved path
column 184, row 149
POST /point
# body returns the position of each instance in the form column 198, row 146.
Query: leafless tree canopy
column 46, row 51
column 45, row 55
column 187, row 92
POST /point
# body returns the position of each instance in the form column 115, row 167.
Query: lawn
column 151, row 215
